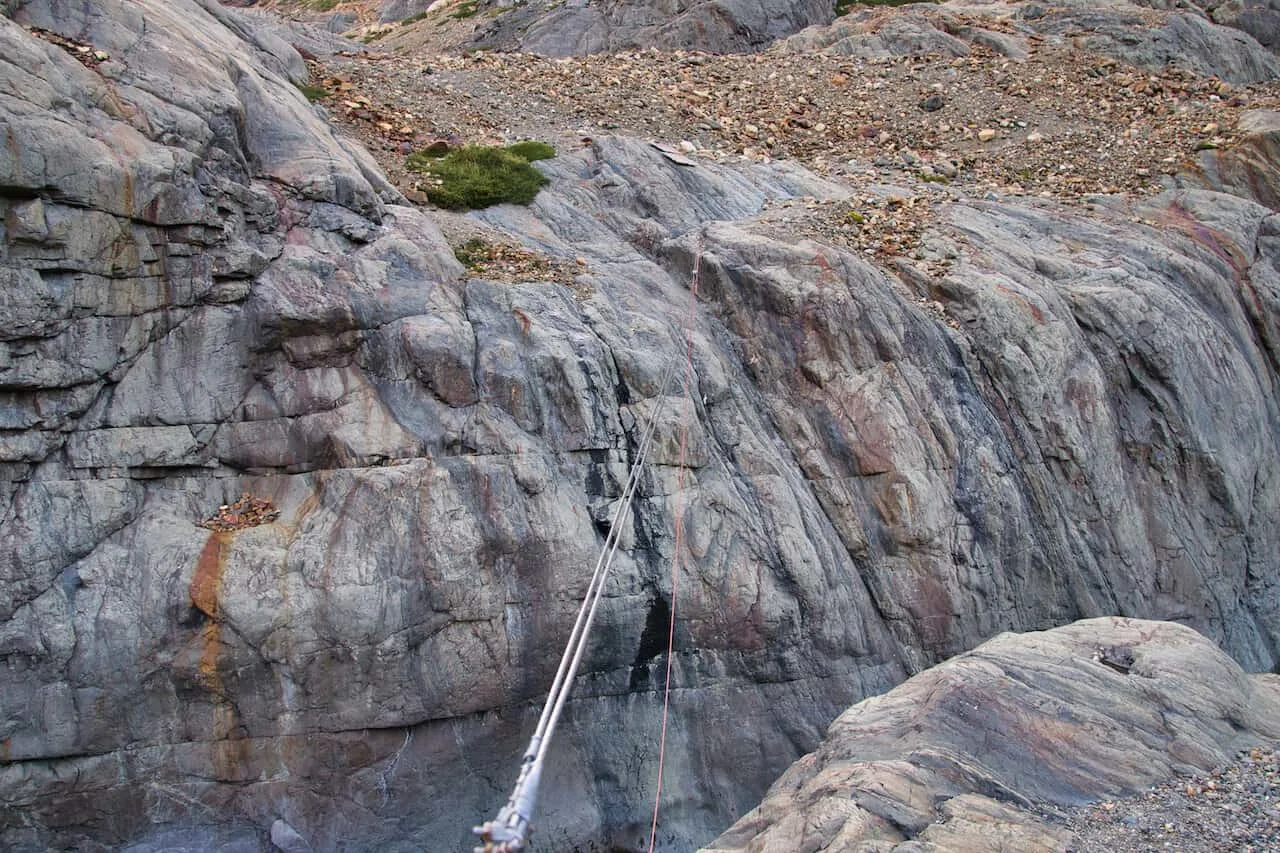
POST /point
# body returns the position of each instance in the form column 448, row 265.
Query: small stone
column 946, row 168
column 986, row 135
column 933, row 103
column 101, row 55
column 1210, row 128
column 1035, row 138
column 687, row 147
column 751, row 130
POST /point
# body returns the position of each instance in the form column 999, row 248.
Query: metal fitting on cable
column 509, row 831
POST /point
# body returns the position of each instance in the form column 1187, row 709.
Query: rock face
column 967, row 755
column 1115, row 28
column 718, row 26
column 206, row 294
column 1259, row 18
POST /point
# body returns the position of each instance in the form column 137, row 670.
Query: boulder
column 974, row 753
column 716, row 26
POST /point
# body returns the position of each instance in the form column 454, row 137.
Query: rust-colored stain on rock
column 229, row 751
column 206, row 585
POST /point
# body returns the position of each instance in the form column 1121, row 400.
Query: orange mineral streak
column 206, row 585
column 206, row 588
column 229, row 749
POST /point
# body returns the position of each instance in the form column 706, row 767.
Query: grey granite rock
column 1116, row 28
column 1259, row 18
column 970, row 755
column 577, row 27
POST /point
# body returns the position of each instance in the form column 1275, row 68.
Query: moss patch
column 532, row 150
column 478, row 176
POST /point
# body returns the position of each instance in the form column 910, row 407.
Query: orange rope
column 679, row 540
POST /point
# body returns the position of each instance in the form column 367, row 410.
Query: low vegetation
column 531, row 150
column 313, row 93
column 473, row 254
column 843, row 6
column 479, row 176
column 465, row 9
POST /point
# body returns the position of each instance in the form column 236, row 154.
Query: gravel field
column 902, row 133
column 1235, row 809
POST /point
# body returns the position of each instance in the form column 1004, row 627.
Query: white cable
column 508, row 832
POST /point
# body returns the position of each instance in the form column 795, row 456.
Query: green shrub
column 477, row 176
column 532, row 150
column 321, row 5
column 465, row 9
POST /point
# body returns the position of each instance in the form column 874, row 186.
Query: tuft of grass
column 531, row 150
column 478, row 176
column 313, row 93
column 473, row 254
column 465, row 9
column 413, row 19
column 321, row 5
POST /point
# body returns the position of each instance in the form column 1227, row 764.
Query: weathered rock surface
column 1248, row 169
column 972, row 754
column 567, row 29
column 1115, row 28
column 1258, row 18
column 206, row 293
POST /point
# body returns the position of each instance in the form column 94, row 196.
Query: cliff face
column 208, row 295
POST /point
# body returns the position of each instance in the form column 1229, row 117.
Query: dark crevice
column 653, row 641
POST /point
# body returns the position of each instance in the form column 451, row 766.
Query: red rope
column 679, row 541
